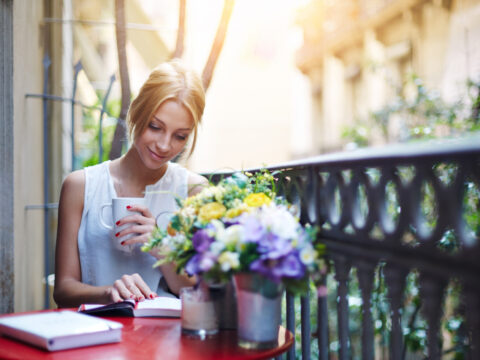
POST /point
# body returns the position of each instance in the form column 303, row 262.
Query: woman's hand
column 129, row 287
column 142, row 224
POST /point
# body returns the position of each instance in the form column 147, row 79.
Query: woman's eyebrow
column 185, row 129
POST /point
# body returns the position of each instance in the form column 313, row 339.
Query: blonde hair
column 169, row 81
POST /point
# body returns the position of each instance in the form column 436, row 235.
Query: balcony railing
column 400, row 222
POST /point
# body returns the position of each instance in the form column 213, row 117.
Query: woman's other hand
column 129, row 287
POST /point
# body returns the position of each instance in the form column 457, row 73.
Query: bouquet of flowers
column 240, row 225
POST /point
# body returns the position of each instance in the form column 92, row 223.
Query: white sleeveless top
column 100, row 261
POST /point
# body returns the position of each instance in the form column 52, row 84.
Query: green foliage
column 89, row 147
column 421, row 114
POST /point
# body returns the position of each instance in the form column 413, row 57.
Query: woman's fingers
column 122, row 289
column 141, row 234
column 128, row 289
column 131, row 287
column 141, row 209
column 114, row 295
column 136, row 219
column 143, row 287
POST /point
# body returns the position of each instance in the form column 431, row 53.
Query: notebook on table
column 59, row 330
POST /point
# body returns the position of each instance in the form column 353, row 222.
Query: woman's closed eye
column 154, row 127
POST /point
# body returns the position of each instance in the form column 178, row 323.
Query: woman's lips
column 156, row 156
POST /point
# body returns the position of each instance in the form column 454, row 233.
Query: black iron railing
column 387, row 215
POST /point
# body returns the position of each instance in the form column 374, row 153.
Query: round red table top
column 152, row 338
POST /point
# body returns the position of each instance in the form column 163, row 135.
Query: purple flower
column 288, row 266
column 207, row 261
column 292, row 267
column 193, row 265
column 273, row 246
column 262, row 266
column 200, row 263
column 201, row 241
column 253, row 229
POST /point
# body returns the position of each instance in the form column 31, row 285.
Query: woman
column 88, row 267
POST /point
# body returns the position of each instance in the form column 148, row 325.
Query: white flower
column 238, row 203
column 228, row 260
column 217, row 247
column 231, row 235
column 218, row 193
column 279, row 221
column 308, row 255
column 218, row 227
column 188, row 212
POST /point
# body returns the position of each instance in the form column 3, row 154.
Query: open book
column 58, row 330
column 160, row 306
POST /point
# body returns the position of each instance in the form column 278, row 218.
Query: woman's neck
column 131, row 176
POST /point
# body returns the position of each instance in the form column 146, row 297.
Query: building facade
column 359, row 53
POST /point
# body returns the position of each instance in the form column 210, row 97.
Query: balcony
column 402, row 231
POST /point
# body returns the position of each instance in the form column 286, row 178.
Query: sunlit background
column 294, row 78
column 258, row 104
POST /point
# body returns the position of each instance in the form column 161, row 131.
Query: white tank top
column 100, row 262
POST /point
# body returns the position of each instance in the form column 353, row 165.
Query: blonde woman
column 88, row 268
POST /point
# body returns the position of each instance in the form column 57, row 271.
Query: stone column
column 6, row 157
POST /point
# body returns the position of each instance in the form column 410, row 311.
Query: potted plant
column 241, row 229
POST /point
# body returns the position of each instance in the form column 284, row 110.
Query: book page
column 160, row 302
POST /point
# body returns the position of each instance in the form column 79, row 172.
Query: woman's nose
column 163, row 143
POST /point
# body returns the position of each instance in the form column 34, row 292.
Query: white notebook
column 60, row 330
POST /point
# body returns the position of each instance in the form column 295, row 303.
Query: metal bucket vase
column 223, row 296
column 259, row 302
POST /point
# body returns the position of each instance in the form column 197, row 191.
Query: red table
column 152, row 338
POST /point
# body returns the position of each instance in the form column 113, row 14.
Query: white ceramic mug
column 119, row 211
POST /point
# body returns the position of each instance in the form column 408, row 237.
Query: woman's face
column 166, row 134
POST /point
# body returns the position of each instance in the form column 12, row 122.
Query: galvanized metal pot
column 259, row 303
column 223, row 296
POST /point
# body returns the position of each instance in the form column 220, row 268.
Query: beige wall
column 28, row 155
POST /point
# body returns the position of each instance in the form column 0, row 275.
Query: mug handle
column 102, row 221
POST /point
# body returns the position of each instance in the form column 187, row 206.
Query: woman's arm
column 69, row 290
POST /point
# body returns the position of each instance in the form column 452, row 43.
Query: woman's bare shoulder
column 196, row 183
column 73, row 187
column 75, row 180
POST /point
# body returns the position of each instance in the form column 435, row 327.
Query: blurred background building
column 361, row 54
column 293, row 77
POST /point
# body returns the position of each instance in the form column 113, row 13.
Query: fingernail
column 132, row 296
column 141, row 298
column 118, row 222
column 117, row 234
column 122, row 243
column 128, row 206
column 151, row 296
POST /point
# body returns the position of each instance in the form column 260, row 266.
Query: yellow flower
column 190, row 200
column 233, row 213
column 256, row 200
column 210, row 211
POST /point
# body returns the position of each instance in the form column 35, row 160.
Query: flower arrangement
column 240, row 225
